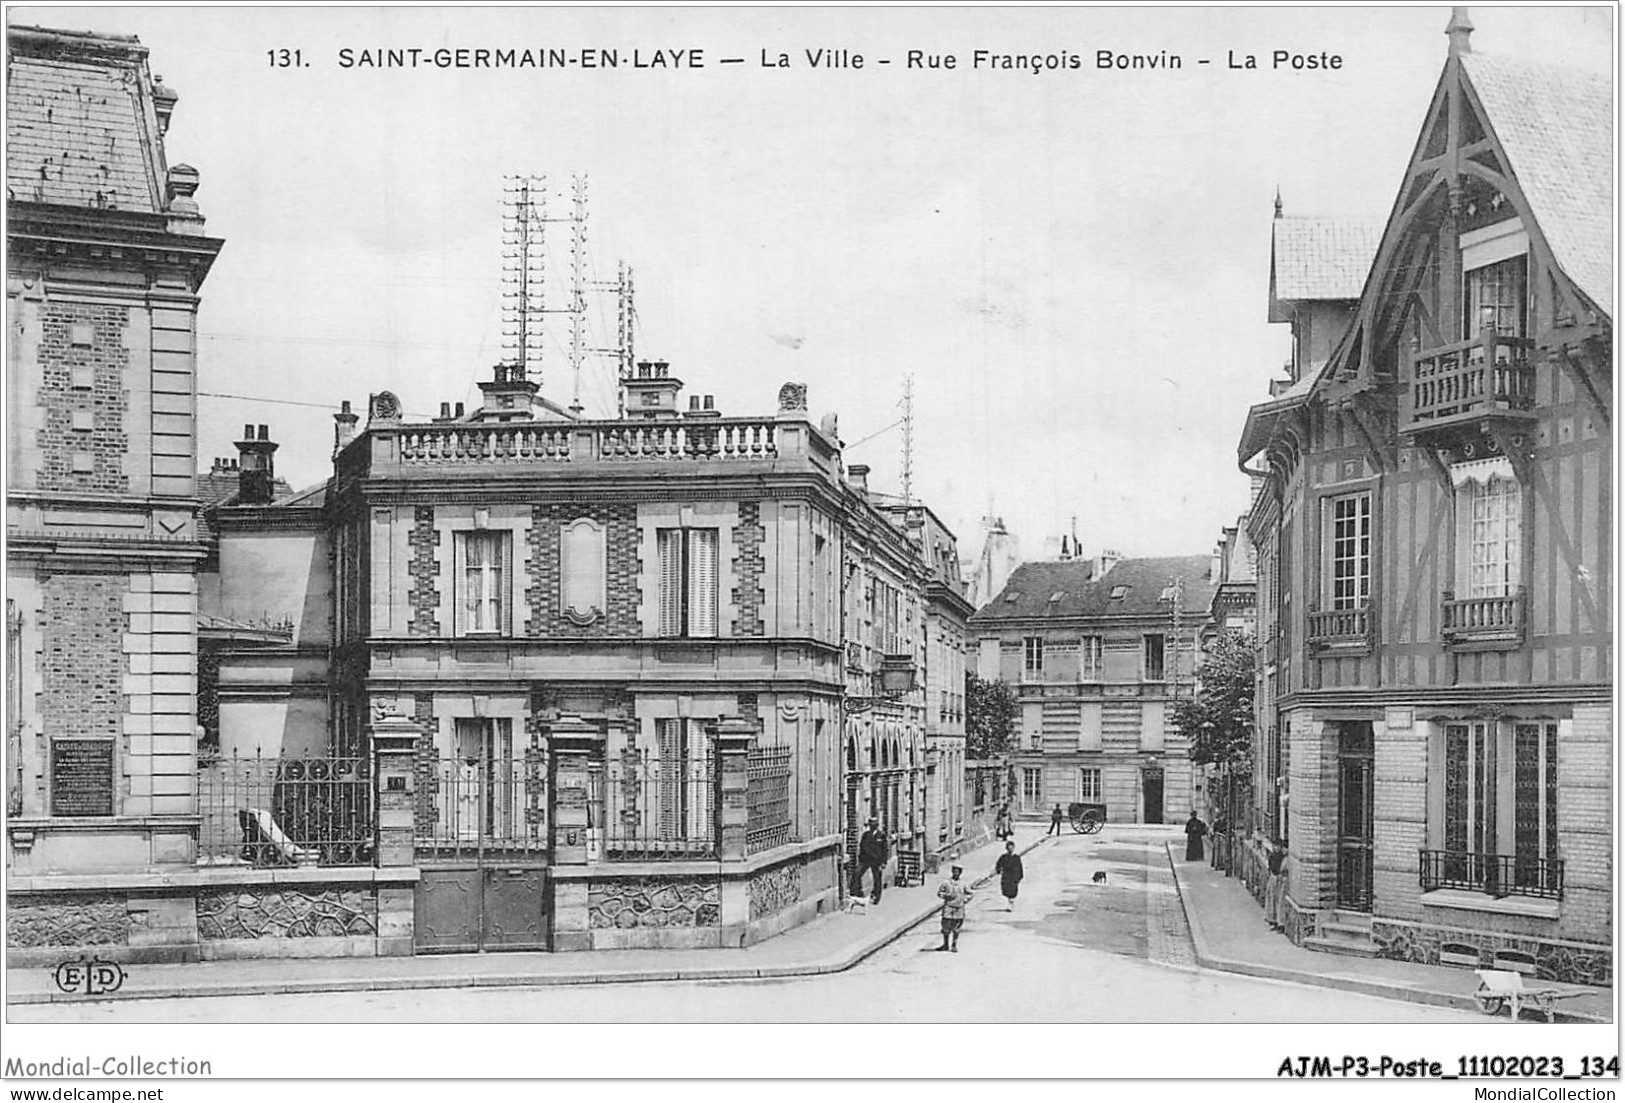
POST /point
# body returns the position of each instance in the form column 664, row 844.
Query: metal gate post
column 394, row 768
column 573, row 744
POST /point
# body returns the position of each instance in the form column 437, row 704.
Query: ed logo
column 89, row 978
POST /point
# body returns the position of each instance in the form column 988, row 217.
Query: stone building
column 1096, row 649
column 1436, row 637
column 651, row 674
column 106, row 256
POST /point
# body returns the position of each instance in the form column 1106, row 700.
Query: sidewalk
column 1227, row 926
column 828, row 944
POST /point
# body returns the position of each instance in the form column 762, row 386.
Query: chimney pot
column 248, row 432
column 445, row 411
column 710, row 402
column 265, row 433
column 459, row 409
column 693, row 402
column 344, row 407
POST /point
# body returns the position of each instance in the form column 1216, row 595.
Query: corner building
column 1436, row 551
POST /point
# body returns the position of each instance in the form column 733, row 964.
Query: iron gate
column 481, row 850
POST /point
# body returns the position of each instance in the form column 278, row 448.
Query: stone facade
column 83, row 389
column 773, row 890
column 66, row 920
column 284, row 912
column 655, row 902
column 1477, row 949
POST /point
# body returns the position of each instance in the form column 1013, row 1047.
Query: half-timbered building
column 1435, row 546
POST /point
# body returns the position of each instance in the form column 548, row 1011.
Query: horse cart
column 1086, row 818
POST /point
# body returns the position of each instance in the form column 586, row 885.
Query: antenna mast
column 524, row 264
column 578, row 288
column 908, row 439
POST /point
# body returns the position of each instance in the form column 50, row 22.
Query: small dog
column 858, row 904
column 1100, row 877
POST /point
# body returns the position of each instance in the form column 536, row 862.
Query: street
column 1073, row 950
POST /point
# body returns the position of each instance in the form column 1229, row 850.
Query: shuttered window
column 688, row 582
column 482, row 582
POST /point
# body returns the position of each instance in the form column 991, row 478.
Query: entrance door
column 1355, row 755
column 1151, row 786
column 481, row 850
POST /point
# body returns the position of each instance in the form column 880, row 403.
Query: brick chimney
column 344, row 427
column 257, row 474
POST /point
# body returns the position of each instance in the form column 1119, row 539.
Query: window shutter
column 702, row 582
column 671, row 582
column 461, row 584
column 504, row 582
column 670, row 785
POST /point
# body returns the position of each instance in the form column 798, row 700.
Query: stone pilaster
column 575, row 746
column 394, row 771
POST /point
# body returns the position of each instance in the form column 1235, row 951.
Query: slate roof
column 217, row 488
column 1321, row 259
column 80, row 125
column 1029, row 591
column 1557, row 129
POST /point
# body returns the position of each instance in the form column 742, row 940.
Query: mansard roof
column 1320, row 259
column 1557, row 129
column 1071, row 589
column 82, row 127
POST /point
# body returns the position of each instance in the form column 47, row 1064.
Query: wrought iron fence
column 660, row 810
column 268, row 811
column 767, row 801
column 1496, row 874
column 478, row 805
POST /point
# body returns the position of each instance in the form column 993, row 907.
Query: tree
column 1218, row 721
column 990, row 717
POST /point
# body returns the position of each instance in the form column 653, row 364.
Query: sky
column 1072, row 264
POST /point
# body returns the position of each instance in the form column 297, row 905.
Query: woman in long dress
column 1194, row 830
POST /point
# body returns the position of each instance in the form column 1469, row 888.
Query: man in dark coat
column 1055, row 819
column 872, row 854
column 1194, row 830
column 1008, row 867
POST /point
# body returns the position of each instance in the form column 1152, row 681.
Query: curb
column 497, row 980
column 1379, row 989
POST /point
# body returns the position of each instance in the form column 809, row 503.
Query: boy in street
column 955, row 895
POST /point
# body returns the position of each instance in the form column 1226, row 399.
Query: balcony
column 1342, row 630
column 1483, row 623
column 510, row 443
column 1489, row 376
column 1495, row 875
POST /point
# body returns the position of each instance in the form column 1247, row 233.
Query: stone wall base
column 1553, row 959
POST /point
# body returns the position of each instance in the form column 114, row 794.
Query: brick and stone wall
column 84, row 398
column 1569, row 962
column 82, row 666
column 545, row 618
column 747, row 595
column 423, row 598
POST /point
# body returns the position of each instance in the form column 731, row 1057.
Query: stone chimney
column 163, row 104
column 257, row 469
column 1460, row 32
column 651, row 391
column 1107, row 560
column 344, row 427
column 857, row 477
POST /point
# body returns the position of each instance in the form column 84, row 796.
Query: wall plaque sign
column 81, row 777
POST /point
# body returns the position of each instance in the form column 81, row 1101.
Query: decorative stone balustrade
column 714, row 439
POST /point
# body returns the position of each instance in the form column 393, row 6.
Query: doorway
column 1355, row 774
column 1151, row 787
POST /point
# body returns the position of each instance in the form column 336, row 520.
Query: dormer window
column 1496, row 301
column 1119, row 593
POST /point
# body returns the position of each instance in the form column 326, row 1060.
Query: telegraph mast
column 524, row 266
column 578, row 289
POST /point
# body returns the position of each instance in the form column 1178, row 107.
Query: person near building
column 1008, row 867
column 1194, row 830
column 1055, row 818
column 955, row 895
column 1002, row 825
column 1220, row 859
column 1275, row 887
column 872, row 854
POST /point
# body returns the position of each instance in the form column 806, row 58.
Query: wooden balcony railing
column 1490, row 374
column 1483, row 619
column 1340, row 628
